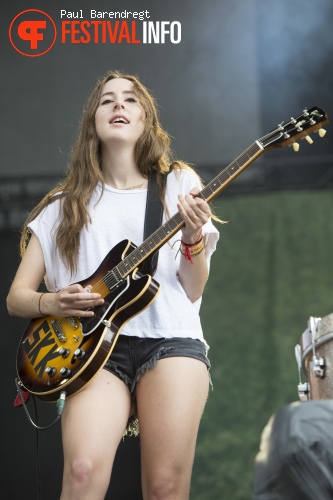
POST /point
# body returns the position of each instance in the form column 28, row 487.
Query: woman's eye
column 130, row 99
column 106, row 101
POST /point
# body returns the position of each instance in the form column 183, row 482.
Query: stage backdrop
column 272, row 271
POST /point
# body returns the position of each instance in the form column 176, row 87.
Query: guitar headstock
column 286, row 134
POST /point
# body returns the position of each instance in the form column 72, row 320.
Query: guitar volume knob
column 64, row 352
column 65, row 371
column 80, row 353
column 50, row 370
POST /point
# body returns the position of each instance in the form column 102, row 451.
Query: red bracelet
column 190, row 251
column 195, row 243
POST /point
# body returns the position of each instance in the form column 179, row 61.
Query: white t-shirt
column 119, row 215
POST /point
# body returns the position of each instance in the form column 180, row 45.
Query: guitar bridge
column 58, row 331
column 72, row 322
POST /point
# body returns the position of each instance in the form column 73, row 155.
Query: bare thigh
column 170, row 401
column 93, row 423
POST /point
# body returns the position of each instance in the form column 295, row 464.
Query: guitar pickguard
column 88, row 325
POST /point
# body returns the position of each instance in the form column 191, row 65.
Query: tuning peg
column 321, row 132
column 295, row 146
column 308, row 138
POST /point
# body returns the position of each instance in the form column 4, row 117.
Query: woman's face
column 120, row 117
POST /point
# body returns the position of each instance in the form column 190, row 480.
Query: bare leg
column 170, row 398
column 93, row 423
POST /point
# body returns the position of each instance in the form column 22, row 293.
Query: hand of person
column 73, row 300
column 195, row 211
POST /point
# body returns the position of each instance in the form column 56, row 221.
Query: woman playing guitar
column 158, row 371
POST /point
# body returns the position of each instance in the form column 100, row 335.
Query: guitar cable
column 60, row 407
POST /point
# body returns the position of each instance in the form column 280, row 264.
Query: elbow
column 10, row 305
column 193, row 297
column 194, row 293
column 10, row 310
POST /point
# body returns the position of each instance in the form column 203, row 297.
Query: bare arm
column 195, row 212
column 23, row 299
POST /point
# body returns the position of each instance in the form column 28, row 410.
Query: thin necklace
column 137, row 186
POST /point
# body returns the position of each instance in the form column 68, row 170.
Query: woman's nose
column 119, row 105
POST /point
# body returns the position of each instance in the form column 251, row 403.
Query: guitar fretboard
column 230, row 172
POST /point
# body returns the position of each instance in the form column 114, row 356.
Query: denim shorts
column 133, row 356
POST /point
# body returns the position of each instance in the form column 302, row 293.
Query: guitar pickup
column 58, row 330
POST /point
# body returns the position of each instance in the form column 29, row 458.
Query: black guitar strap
column 153, row 219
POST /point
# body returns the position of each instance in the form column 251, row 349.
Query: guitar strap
column 153, row 219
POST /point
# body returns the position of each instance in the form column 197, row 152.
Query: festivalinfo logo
column 33, row 32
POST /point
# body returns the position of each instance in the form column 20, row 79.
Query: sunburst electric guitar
column 63, row 354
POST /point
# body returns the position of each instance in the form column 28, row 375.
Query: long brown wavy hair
column 84, row 169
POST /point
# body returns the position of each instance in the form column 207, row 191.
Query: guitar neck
column 232, row 171
column 163, row 234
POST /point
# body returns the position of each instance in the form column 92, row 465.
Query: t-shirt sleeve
column 43, row 227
